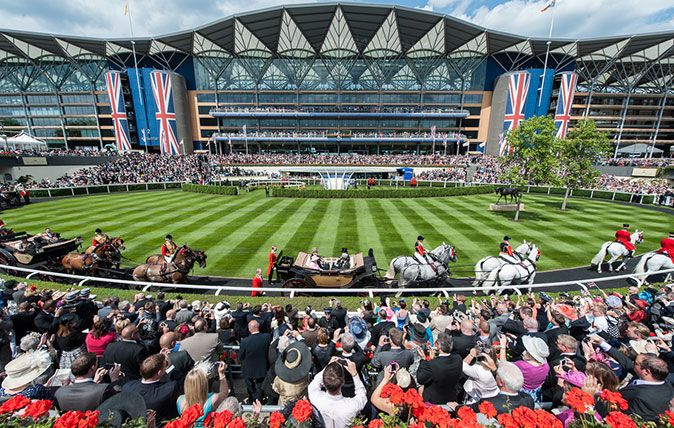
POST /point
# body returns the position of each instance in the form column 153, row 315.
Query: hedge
column 382, row 193
column 212, row 190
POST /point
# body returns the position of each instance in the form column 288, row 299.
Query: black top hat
column 169, row 236
column 671, row 234
column 418, row 332
column 420, row 238
column 626, row 226
column 506, row 238
column 98, row 230
column 294, row 363
column 121, row 407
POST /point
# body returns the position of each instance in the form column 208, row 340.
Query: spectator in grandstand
column 197, row 392
column 253, row 357
column 440, row 375
column 88, row 390
column 325, row 393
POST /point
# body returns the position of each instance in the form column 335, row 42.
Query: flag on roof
column 548, row 5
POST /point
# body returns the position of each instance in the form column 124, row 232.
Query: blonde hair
column 120, row 325
column 196, row 387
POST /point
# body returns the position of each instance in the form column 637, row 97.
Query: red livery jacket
column 272, row 262
column 257, row 283
column 624, row 237
column 667, row 247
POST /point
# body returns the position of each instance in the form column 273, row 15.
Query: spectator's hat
column 327, row 311
column 639, row 346
column 57, row 295
column 614, row 302
column 25, row 369
column 568, row 311
column 536, row 347
column 85, row 294
column 574, row 378
column 403, row 378
column 642, row 304
column 122, row 407
column 294, row 364
column 418, row 332
column 422, row 319
column 71, row 297
column 10, row 284
column 671, row 234
column 626, row 226
column 506, row 238
column 30, row 290
column 357, row 327
column 196, row 305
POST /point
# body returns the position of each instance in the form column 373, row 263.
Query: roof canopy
column 25, row 141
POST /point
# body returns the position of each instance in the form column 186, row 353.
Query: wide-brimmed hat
column 639, row 346
column 71, row 297
column 403, row 378
column 357, row 327
column 121, row 407
column 422, row 319
column 26, row 368
column 418, row 332
column 614, row 302
column 85, row 293
column 568, row 311
column 574, row 378
column 536, row 347
column 294, row 363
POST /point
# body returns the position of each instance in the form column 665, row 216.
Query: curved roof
column 339, row 30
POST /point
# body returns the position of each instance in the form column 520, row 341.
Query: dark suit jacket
column 159, row 396
column 240, row 323
column 648, row 401
column 379, row 330
column 340, row 315
column 551, row 337
column 462, row 343
column 182, row 363
column 83, row 396
column 505, row 403
column 253, row 355
column 44, row 322
column 129, row 355
column 440, row 377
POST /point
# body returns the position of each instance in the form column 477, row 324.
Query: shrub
column 212, row 190
column 424, row 192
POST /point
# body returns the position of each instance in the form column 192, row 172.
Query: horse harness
column 523, row 266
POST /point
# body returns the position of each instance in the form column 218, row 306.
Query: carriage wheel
column 295, row 283
column 10, row 261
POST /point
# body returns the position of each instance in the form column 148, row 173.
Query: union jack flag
column 567, row 89
column 165, row 112
column 117, row 110
column 518, row 88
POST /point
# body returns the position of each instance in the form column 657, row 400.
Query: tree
column 578, row 154
column 533, row 158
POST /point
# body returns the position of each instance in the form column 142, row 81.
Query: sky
column 105, row 18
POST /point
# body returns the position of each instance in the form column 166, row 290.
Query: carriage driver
column 100, row 238
column 168, row 249
column 506, row 251
column 667, row 246
column 624, row 237
column 420, row 252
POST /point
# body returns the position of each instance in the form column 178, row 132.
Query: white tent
column 24, row 141
column 639, row 149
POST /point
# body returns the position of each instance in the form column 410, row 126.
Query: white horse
column 514, row 274
column 615, row 250
column 401, row 262
column 486, row 265
column 651, row 263
column 417, row 273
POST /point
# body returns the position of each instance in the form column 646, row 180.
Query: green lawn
column 237, row 231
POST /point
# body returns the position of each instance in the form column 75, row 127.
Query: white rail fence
column 218, row 289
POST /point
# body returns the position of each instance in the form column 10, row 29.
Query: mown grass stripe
column 347, row 229
column 326, row 233
column 389, row 234
column 367, row 231
column 305, row 232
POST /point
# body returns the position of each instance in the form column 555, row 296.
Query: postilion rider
column 168, row 250
column 99, row 239
column 624, row 237
column 667, row 246
column 506, row 251
column 421, row 254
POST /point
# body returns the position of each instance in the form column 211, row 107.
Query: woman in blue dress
column 196, row 392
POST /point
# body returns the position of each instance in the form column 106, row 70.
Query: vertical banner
column 518, row 88
column 165, row 112
column 567, row 90
column 120, row 121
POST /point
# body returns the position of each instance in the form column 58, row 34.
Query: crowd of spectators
column 340, row 109
column 338, row 134
column 89, row 151
column 533, row 352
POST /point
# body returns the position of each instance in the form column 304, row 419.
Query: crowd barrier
column 291, row 292
column 48, row 192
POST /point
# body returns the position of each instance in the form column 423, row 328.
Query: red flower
column 237, row 423
column 233, row 355
column 619, row 420
column 507, row 421
column 192, row 413
column 15, row 403
column 76, row 419
column 525, row 417
column 276, row 419
column 614, row 398
column 435, row 415
column 375, row 423
column 669, row 417
column 219, row 420
column 37, row 409
column 580, row 401
column 413, row 399
column 393, row 392
column 302, row 411
column 466, row 414
column 547, row 419
column 178, row 423
column 487, row 409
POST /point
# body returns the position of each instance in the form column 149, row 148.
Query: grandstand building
column 337, row 77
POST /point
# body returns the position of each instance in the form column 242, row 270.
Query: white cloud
column 573, row 18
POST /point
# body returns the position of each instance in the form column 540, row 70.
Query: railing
column 218, row 289
column 102, row 188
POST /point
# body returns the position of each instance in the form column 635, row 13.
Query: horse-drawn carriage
column 334, row 272
column 9, row 199
column 31, row 251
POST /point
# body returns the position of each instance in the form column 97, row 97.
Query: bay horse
column 175, row 272
column 105, row 256
column 116, row 242
column 505, row 192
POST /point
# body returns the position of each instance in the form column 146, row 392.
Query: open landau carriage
column 38, row 253
column 361, row 271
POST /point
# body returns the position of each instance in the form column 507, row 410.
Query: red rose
column 15, row 403
column 302, row 411
column 614, row 398
column 487, row 409
column 619, row 420
column 37, row 409
column 233, row 355
column 237, row 423
column 580, row 401
column 220, row 420
column 375, row 423
column 276, row 420
column 393, row 392
column 192, row 413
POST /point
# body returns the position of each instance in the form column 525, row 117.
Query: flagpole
column 127, row 12
column 547, row 53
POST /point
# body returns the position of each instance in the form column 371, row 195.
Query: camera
column 394, row 366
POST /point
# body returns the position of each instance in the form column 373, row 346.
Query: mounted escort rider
column 667, row 246
column 99, row 239
column 625, row 237
column 506, row 251
column 169, row 249
column 421, row 254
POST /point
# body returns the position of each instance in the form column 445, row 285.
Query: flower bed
column 212, row 190
column 382, row 193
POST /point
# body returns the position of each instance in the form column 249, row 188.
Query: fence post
column 49, row 192
column 549, row 190
column 613, row 197
column 72, row 191
column 591, row 193
column 641, row 199
column 147, row 187
column 108, row 187
column 164, row 185
column 528, row 189
column 445, row 185
column 87, row 189
column 127, row 187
